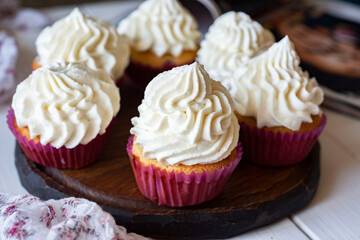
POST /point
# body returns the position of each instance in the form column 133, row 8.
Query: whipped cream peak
column 161, row 26
column 231, row 42
column 66, row 104
column 275, row 90
column 186, row 118
column 77, row 14
column 79, row 38
column 284, row 55
column 249, row 35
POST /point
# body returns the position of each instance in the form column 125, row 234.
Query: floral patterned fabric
column 28, row 217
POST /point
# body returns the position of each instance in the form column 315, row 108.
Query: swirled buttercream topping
column 66, row 104
column 161, row 26
column 275, row 90
column 186, row 118
column 78, row 38
column 231, row 42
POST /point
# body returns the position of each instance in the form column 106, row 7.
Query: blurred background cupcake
column 79, row 38
column 278, row 107
column 232, row 40
column 185, row 139
column 61, row 113
column 162, row 35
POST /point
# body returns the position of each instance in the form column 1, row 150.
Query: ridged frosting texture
column 276, row 91
column 186, row 118
column 78, row 38
column 66, row 104
column 232, row 40
column 161, row 26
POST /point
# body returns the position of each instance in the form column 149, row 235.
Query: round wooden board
column 253, row 197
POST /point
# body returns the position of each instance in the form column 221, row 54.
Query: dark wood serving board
column 254, row 196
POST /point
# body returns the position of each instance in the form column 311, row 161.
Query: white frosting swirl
column 78, row 38
column 276, row 91
column 186, row 118
column 232, row 40
column 66, row 104
column 162, row 26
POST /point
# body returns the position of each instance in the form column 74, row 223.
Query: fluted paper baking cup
column 47, row 155
column 179, row 189
column 140, row 75
column 277, row 149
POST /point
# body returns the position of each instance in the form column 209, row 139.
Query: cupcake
column 78, row 38
column 184, row 145
column 278, row 107
column 163, row 35
column 232, row 41
column 60, row 114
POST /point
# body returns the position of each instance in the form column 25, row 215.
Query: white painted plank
column 9, row 180
column 335, row 211
column 282, row 230
column 345, row 131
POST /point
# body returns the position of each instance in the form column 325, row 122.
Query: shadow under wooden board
column 253, row 197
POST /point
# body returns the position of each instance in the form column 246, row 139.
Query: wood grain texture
column 254, row 196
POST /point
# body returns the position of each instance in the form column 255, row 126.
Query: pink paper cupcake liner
column 140, row 75
column 277, row 149
column 179, row 189
column 62, row 157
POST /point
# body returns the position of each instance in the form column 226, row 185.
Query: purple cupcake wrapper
column 277, row 149
column 179, row 189
column 140, row 75
column 62, row 157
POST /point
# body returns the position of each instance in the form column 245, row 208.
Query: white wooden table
column 333, row 214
